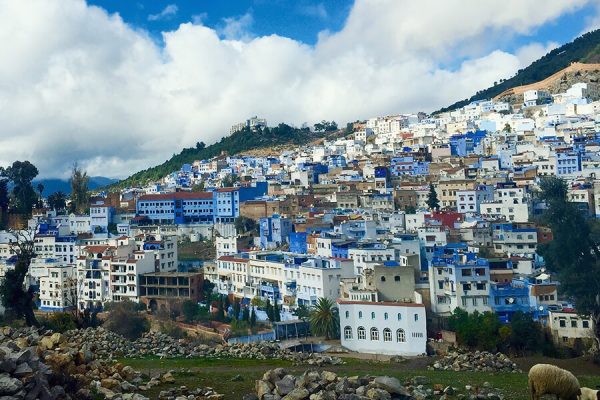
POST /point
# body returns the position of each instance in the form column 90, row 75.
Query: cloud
column 313, row 10
column 236, row 28
column 79, row 84
column 167, row 13
column 200, row 19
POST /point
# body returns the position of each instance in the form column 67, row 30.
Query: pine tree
column 269, row 310
column 276, row 312
column 236, row 308
column 220, row 311
column 246, row 314
column 432, row 200
column 253, row 318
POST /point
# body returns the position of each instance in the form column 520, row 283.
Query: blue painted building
column 466, row 144
column 274, row 231
column 298, row 242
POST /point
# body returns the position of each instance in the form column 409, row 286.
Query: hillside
column 236, row 143
column 584, row 49
column 52, row 185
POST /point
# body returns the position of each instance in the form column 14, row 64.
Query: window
column 387, row 335
column 400, row 336
column 347, row 314
column 360, row 314
column 562, row 323
column 573, row 323
column 362, row 335
column 385, row 315
column 383, row 279
column 416, row 317
column 374, row 334
column 585, row 324
column 399, row 317
column 373, row 315
column 347, row 333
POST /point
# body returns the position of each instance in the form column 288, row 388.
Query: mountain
column 238, row 142
column 52, row 185
column 585, row 49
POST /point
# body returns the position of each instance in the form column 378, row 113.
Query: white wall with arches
column 383, row 328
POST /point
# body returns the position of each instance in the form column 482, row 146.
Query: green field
column 218, row 374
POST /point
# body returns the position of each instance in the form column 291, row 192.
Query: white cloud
column 236, row 28
column 313, row 10
column 79, row 84
column 167, row 13
column 199, row 19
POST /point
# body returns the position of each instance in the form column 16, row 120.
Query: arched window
column 416, row 317
column 347, row 314
column 397, row 278
column 385, row 315
column 347, row 333
column 399, row 317
column 400, row 336
column 362, row 334
column 374, row 334
column 383, row 279
column 387, row 335
column 373, row 315
column 360, row 314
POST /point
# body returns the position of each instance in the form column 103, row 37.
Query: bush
column 124, row 319
column 172, row 329
column 60, row 322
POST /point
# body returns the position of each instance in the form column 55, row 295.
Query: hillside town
column 399, row 223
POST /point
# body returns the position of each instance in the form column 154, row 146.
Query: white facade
column 383, row 328
column 58, row 288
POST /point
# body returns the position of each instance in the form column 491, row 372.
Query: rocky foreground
column 35, row 364
column 277, row 384
column 482, row 361
column 108, row 345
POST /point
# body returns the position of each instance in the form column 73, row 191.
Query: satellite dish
column 511, row 300
column 541, row 308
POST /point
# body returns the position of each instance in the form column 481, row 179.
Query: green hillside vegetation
column 585, row 49
column 238, row 142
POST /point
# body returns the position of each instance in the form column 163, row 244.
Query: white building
column 58, row 288
column 389, row 328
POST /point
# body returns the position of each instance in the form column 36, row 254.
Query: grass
column 218, row 374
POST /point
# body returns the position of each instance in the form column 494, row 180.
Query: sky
column 120, row 85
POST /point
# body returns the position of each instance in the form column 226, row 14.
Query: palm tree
column 324, row 319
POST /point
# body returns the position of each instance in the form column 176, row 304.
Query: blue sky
column 297, row 19
column 302, row 20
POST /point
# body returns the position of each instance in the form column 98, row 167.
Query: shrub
column 172, row 329
column 60, row 322
column 124, row 319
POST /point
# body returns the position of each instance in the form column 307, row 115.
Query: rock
column 391, row 385
column 285, row 385
column 297, row 394
column 237, row 378
column 378, row 394
column 9, row 385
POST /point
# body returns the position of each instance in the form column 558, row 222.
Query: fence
column 267, row 336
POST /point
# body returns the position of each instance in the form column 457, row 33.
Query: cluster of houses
column 353, row 220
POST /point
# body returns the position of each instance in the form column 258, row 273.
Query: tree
column 207, row 288
column 57, row 201
column 324, row 319
column 125, row 319
column 432, row 200
column 220, row 311
column 276, row 312
column 507, row 128
column 189, row 309
column 79, row 190
column 21, row 173
column 246, row 314
column 253, row 318
column 236, row 308
column 4, row 202
column 12, row 289
column 245, row 224
column 200, row 145
column 302, row 312
column 269, row 308
column 574, row 252
column 325, row 126
column 230, row 180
